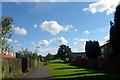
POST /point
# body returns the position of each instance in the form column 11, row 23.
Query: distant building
column 7, row 53
column 106, row 50
column 76, row 57
column 43, row 59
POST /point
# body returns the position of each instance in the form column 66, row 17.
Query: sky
column 44, row 26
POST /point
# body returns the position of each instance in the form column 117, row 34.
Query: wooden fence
column 14, row 67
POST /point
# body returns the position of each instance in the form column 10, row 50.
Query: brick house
column 7, row 53
column 106, row 50
column 76, row 57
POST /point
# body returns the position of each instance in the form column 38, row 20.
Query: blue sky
column 49, row 25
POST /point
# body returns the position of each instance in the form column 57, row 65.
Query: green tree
column 49, row 57
column 6, row 31
column 25, row 53
column 64, row 53
column 115, row 32
column 92, row 49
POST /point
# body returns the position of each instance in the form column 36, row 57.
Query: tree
column 115, row 32
column 92, row 49
column 49, row 57
column 64, row 53
column 6, row 31
column 25, row 53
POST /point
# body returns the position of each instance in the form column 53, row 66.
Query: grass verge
column 64, row 71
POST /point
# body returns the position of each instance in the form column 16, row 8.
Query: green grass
column 40, row 63
column 63, row 71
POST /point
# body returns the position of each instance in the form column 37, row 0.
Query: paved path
column 40, row 73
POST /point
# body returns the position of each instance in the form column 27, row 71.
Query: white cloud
column 80, row 39
column 62, row 40
column 81, row 43
column 52, row 40
column 15, row 41
column 102, row 42
column 45, row 51
column 67, row 28
column 20, row 31
column 44, row 43
column 35, row 26
column 75, row 43
column 101, row 6
column 54, row 28
column 34, row 44
column 106, row 37
column 86, row 32
column 76, row 30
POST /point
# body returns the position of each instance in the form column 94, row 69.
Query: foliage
column 25, row 53
column 92, row 49
column 64, row 53
column 49, row 57
column 115, row 32
column 6, row 31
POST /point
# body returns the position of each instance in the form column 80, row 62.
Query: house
column 76, row 57
column 106, row 50
column 7, row 53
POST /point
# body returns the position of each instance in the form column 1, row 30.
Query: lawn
column 64, row 71
column 40, row 63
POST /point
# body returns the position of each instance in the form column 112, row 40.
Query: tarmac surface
column 40, row 73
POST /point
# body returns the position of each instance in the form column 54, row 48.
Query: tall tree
column 6, row 31
column 92, row 49
column 64, row 53
column 115, row 32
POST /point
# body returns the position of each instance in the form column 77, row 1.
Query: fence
column 28, row 64
column 106, row 64
column 13, row 67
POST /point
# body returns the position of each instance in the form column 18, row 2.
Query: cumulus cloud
column 67, row 28
column 34, row 44
column 20, row 31
column 45, row 51
column 80, row 39
column 101, row 6
column 35, row 26
column 105, row 39
column 54, row 28
column 62, row 40
column 81, row 43
column 75, row 30
column 44, row 43
column 75, row 43
column 15, row 41
column 86, row 32
column 52, row 40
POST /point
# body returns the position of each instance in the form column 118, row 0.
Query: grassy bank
column 63, row 71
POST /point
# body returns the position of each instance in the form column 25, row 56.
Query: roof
column 106, row 44
column 78, row 52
